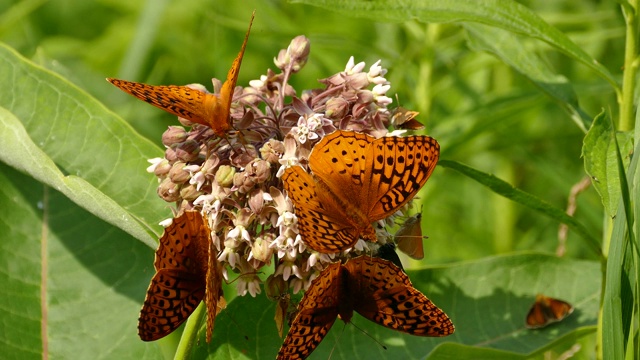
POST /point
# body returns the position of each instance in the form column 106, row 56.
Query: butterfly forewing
column 317, row 311
column 226, row 93
column 384, row 294
column 180, row 101
column 399, row 167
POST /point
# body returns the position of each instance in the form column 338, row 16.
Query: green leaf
column 64, row 127
column 620, row 298
column 600, row 160
column 72, row 283
column 505, row 189
column 506, row 14
column 487, row 301
column 19, row 151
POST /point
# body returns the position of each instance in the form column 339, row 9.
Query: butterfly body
column 190, row 103
column 187, row 272
column 357, row 180
column 372, row 287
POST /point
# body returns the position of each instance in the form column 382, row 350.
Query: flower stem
column 190, row 333
column 626, row 101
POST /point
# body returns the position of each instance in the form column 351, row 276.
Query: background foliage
column 509, row 92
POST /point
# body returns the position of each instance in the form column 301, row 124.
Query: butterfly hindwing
column 319, row 220
column 184, row 239
column 172, row 296
column 384, row 294
column 317, row 311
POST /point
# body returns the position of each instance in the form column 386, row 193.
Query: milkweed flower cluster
column 235, row 180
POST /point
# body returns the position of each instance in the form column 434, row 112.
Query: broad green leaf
column 505, row 189
column 80, row 136
column 600, row 160
column 510, row 49
column 506, row 14
column 72, row 284
column 19, row 151
column 487, row 301
column 449, row 351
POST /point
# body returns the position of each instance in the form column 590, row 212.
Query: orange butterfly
column 409, row 237
column 356, row 180
column 373, row 287
column 187, row 272
column 547, row 310
column 191, row 104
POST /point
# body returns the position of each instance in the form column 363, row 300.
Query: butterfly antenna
column 229, row 314
column 369, row 335
column 336, row 342
column 241, row 275
column 423, row 237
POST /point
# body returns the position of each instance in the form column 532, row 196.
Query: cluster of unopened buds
column 235, row 180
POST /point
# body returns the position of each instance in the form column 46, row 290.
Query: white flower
column 288, row 268
column 249, row 284
column 258, row 84
column 310, row 127
column 154, row 163
column 379, row 97
column 166, row 222
column 287, row 219
column 376, row 74
column 239, row 233
column 229, row 255
column 289, row 158
column 351, row 69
